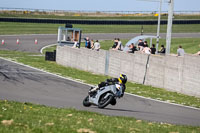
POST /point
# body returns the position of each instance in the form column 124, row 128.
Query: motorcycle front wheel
column 86, row 102
column 103, row 102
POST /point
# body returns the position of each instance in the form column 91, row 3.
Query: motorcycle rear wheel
column 86, row 102
column 104, row 102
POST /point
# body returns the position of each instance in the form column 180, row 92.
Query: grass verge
column 18, row 117
column 90, row 78
column 8, row 28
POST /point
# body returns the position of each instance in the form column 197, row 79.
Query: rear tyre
column 103, row 102
column 86, row 102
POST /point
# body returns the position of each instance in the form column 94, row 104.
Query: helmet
column 122, row 79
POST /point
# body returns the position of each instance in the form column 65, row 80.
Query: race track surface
column 27, row 42
column 26, row 84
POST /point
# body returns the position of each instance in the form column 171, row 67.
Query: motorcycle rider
column 118, row 82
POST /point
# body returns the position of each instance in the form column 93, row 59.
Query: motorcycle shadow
column 120, row 110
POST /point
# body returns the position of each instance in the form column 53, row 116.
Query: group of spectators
column 131, row 48
column 144, row 48
column 90, row 44
column 152, row 50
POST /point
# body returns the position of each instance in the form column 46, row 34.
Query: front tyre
column 103, row 102
column 113, row 102
column 86, row 102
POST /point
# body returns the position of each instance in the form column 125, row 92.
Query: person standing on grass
column 92, row 44
column 115, row 43
column 132, row 48
column 153, row 49
column 87, row 43
column 97, row 45
column 140, row 45
column 146, row 50
column 119, row 45
column 162, row 50
column 180, row 51
column 145, row 44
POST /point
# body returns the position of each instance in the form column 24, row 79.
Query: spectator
column 97, row 45
column 75, row 44
column 140, row 44
column 162, row 50
column 180, row 51
column 145, row 44
column 92, row 44
column 87, row 42
column 146, row 50
column 132, row 48
column 198, row 53
column 119, row 45
column 153, row 49
column 115, row 43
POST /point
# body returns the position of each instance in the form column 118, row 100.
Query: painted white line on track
column 163, row 101
column 41, row 50
column 16, row 72
column 78, row 81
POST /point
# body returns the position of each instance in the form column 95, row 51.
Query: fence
column 180, row 74
column 97, row 22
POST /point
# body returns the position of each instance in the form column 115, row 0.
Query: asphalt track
column 27, row 42
column 24, row 84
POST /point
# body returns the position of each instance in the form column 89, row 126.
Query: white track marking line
column 163, row 101
column 16, row 72
column 77, row 81
column 41, row 50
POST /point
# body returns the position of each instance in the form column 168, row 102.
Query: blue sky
column 101, row 5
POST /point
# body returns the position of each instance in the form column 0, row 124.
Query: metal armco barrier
column 97, row 22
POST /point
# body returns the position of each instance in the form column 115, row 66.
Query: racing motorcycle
column 102, row 97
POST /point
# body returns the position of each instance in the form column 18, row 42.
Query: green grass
column 90, row 78
column 8, row 28
column 18, row 117
column 49, row 49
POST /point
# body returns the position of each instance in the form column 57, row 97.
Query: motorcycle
column 102, row 97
